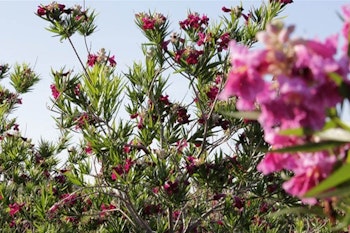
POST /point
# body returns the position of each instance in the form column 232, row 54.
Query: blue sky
column 24, row 39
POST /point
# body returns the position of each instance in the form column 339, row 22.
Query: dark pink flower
column 127, row 165
column 82, row 120
column 171, row 188
column 88, row 149
column 134, row 115
column 181, row 144
column 223, row 41
column 238, row 202
column 176, row 214
column 201, row 39
column 54, row 91
column 148, row 24
column 178, row 55
column 282, row 1
column 225, row 9
column 182, row 116
column 112, row 61
column 15, row 208
column 69, row 199
column 127, row 148
column 41, row 11
column 92, row 59
column 212, row 93
column 106, row 208
column 53, row 209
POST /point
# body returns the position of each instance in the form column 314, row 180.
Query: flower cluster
column 189, row 55
column 121, row 169
column 194, row 22
column 101, row 58
column 151, row 21
column 291, row 81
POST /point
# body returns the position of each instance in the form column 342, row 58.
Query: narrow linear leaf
column 253, row 115
column 338, row 177
column 310, row 147
column 334, row 134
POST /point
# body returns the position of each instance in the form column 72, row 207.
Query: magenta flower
column 171, row 188
column 273, row 162
column 41, row 11
column 148, row 24
column 194, row 22
column 223, row 41
column 346, row 26
column 54, row 91
column 112, row 61
column 92, row 59
column 15, row 208
column 245, row 78
column 311, row 169
column 225, row 9
column 202, row 38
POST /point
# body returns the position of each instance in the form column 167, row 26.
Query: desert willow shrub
column 174, row 166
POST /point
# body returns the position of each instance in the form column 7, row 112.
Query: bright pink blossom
column 41, row 11
column 311, row 170
column 54, row 91
column 112, row 61
column 15, row 208
column 245, row 79
column 92, row 59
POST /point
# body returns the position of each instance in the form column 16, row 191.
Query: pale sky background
column 24, row 39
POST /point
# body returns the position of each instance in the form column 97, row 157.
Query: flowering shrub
column 175, row 165
column 297, row 105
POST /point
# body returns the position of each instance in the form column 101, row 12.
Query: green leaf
column 338, row 177
column 75, row 180
column 334, row 134
column 296, row 132
column 337, row 192
column 253, row 115
column 310, row 147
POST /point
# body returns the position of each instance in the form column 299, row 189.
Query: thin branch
column 206, row 214
column 80, row 61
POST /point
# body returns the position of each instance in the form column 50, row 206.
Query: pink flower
column 245, row 78
column 176, row 214
column 282, row 1
column 225, row 9
column 112, row 61
column 148, row 24
column 181, row 144
column 126, row 148
column 92, row 59
column 194, row 22
column 106, row 208
column 346, row 27
column 164, row 99
column 311, row 169
column 202, row 38
column 54, row 91
column 171, row 188
column 69, row 199
column 88, row 149
column 15, row 208
column 41, row 11
column 212, row 93
column 223, row 41
column 273, row 162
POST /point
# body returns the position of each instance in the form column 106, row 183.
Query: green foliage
column 176, row 165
